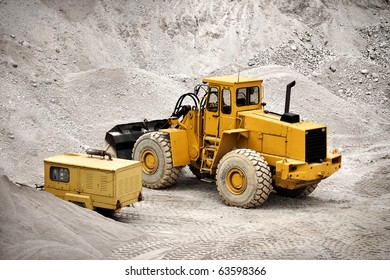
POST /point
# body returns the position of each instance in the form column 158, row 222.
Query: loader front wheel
column 153, row 150
column 244, row 178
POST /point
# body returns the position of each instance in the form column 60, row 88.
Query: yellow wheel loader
column 224, row 134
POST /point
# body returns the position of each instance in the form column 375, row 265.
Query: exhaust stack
column 287, row 116
column 96, row 152
column 288, row 97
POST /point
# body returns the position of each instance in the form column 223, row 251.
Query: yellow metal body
column 233, row 117
column 93, row 181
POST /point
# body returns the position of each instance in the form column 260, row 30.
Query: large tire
column 297, row 193
column 154, row 151
column 244, row 178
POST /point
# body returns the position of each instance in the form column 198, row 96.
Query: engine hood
column 304, row 141
column 276, row 119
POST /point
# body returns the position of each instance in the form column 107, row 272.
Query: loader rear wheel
column 297, row 193
column 244, row 178
column 154, row 151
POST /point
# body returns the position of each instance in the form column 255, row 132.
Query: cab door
column 211, row 116
column 227, row 118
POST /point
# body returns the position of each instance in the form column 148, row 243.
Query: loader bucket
column 120, row 140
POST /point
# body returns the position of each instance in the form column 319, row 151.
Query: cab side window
column 212, row 104
column 253, row 95
column 241, row 97
column 226, row 101
column 247, row 96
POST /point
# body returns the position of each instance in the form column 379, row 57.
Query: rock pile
column 362, row 80
column 303, row 53
column 378, row 42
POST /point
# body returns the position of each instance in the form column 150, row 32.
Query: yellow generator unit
column 93, row 180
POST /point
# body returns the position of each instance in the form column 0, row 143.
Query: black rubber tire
column 195, row 171
column 297, row 193
column 199, row 175
column 256, row 173
column 165, row 174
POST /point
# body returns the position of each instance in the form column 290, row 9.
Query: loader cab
column 228, row 95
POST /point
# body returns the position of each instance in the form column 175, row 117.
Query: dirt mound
column 37, row 225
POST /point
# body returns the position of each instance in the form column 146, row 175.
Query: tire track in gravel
column 345, row 218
